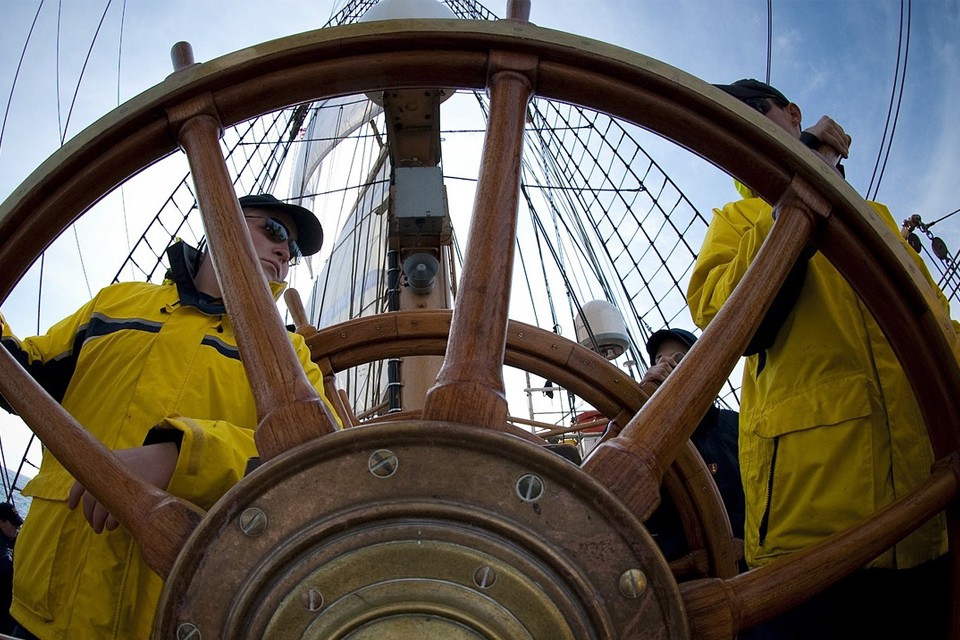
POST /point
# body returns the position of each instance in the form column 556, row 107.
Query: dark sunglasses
column 762, row 103
column 278, row 232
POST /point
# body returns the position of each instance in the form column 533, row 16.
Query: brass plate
column 420, row 530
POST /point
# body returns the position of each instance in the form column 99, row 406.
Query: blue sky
column 835, row 58
column 830, row 57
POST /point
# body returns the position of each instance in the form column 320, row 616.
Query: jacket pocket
column 810, row 464
column 41, row 545
column 828, row 402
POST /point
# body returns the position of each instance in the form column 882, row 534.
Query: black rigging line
column 123, row 200
column 952, row 213
column 769, row 38
column 896, row 94
column 57, row 74
column 16, row 75
column 896, row 115
column 83, row 69
column 66, row 125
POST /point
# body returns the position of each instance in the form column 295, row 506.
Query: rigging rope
column 895, row 94
column 83, row 69
column 952, row 213
column 123, row 198
column 16, row 75
column 769, row 38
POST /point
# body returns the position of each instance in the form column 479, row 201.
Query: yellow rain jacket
column 137, row 356
column 829, row 429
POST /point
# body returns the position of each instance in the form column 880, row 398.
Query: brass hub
column 420, row 530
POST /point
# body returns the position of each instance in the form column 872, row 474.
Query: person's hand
column 155, row 463
column 658, row 373
column 832, row 134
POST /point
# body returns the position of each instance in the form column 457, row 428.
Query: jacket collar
column 184, row 261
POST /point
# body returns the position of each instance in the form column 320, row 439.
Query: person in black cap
column 775, row 106
column 830, row 431
column 154, row 373
column 715, row 439
column 10, row 522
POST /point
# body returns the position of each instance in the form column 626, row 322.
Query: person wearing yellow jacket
column 830, row 431
column 154, row 373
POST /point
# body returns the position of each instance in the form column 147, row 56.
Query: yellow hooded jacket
column 135, row 357
column 829, row 429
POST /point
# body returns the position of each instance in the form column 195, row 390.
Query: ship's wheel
column 447, row 527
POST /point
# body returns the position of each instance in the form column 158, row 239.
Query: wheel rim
column 570, row 69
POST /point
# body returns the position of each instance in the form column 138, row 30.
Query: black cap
column 663, row 335
column 746, row 89
column 309, row 232
column 9, row 513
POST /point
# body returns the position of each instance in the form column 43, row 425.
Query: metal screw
column 253, row 522
column 633, row 583
column 484, row 577
column 188, row 631
column 311, row 599
column 530, row 487
column 383, row 463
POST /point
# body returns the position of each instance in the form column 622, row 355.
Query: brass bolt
column 253, row 522
column 484, row 577
column 633, row 583
column 311, row 599
column 530, row 487
column 383, row 463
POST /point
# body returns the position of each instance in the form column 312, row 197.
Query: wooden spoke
column 469, row 386
column 159, row 522
column 302, row 324
column 632, row 464
column 721, row 608
column 289, row 409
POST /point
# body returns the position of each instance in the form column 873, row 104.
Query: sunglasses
column 278, row 232
column 762, row 103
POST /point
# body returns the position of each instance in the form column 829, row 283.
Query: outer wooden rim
column 571, row 69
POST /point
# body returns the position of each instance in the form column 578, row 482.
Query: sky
column 834, row 58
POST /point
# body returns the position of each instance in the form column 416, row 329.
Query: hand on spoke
column 155, row 463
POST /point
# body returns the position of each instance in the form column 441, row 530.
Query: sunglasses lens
column 278, row 233
column 294, row 250
column 760, row 104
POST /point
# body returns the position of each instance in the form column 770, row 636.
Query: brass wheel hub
column 420, row 530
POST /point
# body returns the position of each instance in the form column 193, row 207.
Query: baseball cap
column 309, row 231
column 9, row 513
column 663, row 335
column 750, row 88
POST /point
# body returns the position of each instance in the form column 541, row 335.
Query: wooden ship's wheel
column 448, row 525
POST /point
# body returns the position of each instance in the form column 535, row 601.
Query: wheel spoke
column 718, row 609
column 633, row 463
column 569, row 69
column 469, row 386
column 302, row 324
column 289, row 409
column 158, row 521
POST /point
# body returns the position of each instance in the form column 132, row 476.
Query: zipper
column 765, row 520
